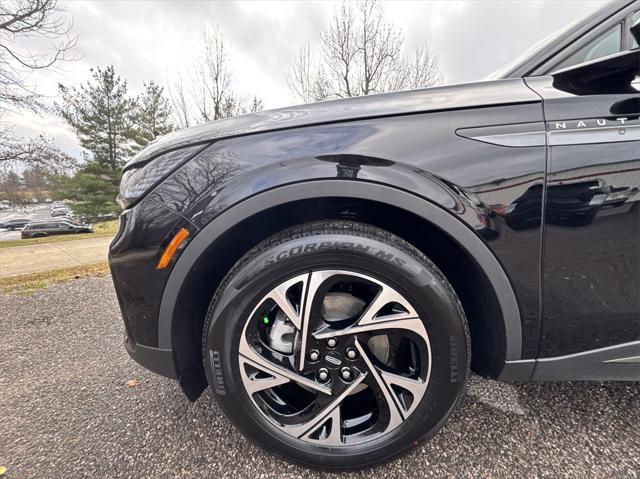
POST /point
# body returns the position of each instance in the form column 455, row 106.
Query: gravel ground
column 67, row 412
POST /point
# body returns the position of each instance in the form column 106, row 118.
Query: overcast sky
column 153, row 40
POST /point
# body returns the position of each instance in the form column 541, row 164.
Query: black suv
column 39, row 229
column 333, row 271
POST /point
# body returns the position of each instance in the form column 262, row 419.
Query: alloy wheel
column 335, row 357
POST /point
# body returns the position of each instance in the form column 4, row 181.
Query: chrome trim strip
column 517, row 135
column 514, row 140
column 631, row 360
column 521, row 135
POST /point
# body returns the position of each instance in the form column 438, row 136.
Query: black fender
column 436, row 215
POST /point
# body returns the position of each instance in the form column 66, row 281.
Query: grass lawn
column 28, row 283
column 107, row 228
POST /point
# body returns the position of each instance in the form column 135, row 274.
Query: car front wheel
column 336, row 345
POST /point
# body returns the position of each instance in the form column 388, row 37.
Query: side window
column 632, row 41
column 634, row 18
column 608, row 43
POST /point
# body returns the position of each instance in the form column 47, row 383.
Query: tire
column 411, row 354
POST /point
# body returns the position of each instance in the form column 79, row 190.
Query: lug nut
column 331, row 342
column 323, row 374
column 314, row 355
column 352, row 353
column 346, row 374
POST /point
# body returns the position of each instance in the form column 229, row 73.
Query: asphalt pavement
column 67, row 412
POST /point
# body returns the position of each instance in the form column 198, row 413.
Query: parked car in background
column 62, row 211
column 38, row 229
column 101, row 218
column 15, row 223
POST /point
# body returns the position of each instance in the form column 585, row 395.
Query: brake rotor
column 339, row 306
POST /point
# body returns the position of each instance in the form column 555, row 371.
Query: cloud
column 157, row 39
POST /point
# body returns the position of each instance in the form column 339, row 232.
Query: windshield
column 542, row 45
column 559, row 40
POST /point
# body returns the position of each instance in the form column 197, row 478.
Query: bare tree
column 255, row 105
column 306, row 78
column 424, row 68
column 30, row 20
column 211, row 83
column 212, row 77
column 209, row 95
column 361, row 54
column 39, row 151
column 379, row 48
column 340, row 50
column 12, row 187
column 301, row 74
column 40, row 21
column 180, row 102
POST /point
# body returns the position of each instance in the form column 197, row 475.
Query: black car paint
column 409, row 142
column 473, row 95
column 236, row 168
column 591, row 269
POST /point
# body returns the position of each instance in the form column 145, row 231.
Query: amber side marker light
column 171, row 248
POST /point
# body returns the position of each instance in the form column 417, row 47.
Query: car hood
column 473, row 95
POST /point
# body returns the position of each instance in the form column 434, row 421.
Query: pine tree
column 153, row 115
column 102, row 115
column 93, row 190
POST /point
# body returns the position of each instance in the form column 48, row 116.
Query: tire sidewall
column 410, row 273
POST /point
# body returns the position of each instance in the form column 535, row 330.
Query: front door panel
column 591, row 251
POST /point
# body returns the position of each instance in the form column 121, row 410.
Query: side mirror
column 635, row 31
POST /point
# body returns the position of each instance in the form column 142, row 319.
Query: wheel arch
column 200, row 268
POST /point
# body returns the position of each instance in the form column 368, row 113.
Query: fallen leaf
column 3, row 471
column 132, row 383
